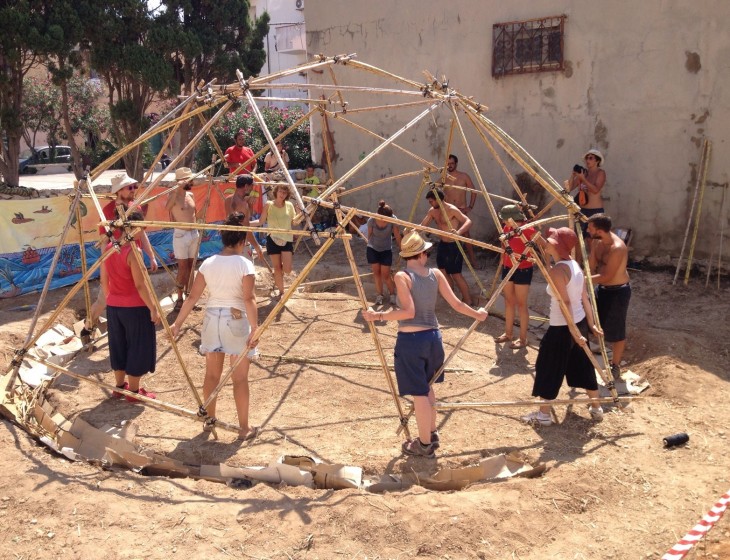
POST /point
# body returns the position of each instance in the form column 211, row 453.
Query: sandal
column 250, row 435
column 518, row 344
column 503, row 338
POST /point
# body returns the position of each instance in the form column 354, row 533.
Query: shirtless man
column 181, row 207
column 608, row 259
column 448, row 257
column 457, row 197
column 240, row 201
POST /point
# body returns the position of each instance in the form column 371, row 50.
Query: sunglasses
column 132, row 187
column 590, row 157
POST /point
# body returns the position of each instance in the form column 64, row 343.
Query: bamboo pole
column 292, row 189
column 200, row 234
column 703, row 181
column 557, row 402
column 165, row 145
column 332, row 280
column 152, row 403
column 340, row 363
column 277, row 308
column 376, row 340
column 193, row 143
column 384, row 73
column 388, row 179
column 82, row 253
column 466, row 335
column 15, row 363
column 381, row 107
column 722, row 232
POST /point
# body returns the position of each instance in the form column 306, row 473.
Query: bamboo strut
column 82, row 253
column 467, row 189
column 277, row 308
column 498, row 159
column 165, row 145
column 292, row 189
column 338, row 91
column 466, row 335
column 381, row 107
column 152, row 403
column 510, row 404
column 381, row 72
column 193, row 143
column 200, row 235
column 608, row 380
column 388, row 179
column 331, row 280
column 333, row 87
column 166, row 326
column 722, row 232
column 703, row 182
column 376, row 340
column 340, row 363
column 15, row 364
column 361, row 128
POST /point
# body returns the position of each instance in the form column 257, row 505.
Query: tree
column 210, row 39
column 43, row 110
column 23, row 37
column 134, row 65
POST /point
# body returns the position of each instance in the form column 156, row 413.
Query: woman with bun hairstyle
column 380, row 251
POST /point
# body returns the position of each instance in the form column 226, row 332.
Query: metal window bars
column 521, row 47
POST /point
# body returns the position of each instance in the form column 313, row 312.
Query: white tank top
column 575, row 293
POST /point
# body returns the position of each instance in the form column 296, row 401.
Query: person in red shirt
column 131, row 319
column 124, row 187
column 516, row 290
column 238, row 154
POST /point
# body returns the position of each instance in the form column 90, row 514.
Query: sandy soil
column 611, row 490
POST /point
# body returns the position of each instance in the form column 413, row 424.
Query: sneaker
column 142, row 392
column 597, row 413
column 379, row 300
column 392, row 299
column 415, row 448
column 117, row 394
column 537, row 417
column 616, row 371
column 435, row 441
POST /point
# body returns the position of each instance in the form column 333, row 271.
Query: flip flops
column 502, row 339
column 518, row 344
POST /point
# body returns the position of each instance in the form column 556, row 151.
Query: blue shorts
column 273, row 249
column 522, row 276
column 449, row 258
column 384, row 258
column 132, row 340
column 418, row 355
column 222, row 333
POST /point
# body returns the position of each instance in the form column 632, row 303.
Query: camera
column 578, row 168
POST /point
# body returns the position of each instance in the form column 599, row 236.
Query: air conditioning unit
column 299, row 4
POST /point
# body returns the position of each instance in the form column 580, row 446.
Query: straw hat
column 593, row 151
column 413, row 244
column 511, row 211
column 564, row 239
column 121, row 180
column 183, row 174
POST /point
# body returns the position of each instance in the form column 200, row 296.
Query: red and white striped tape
column 681, row 549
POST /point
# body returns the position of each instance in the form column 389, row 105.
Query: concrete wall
column 644, row 82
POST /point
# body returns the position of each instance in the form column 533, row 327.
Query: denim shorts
column 222, row 333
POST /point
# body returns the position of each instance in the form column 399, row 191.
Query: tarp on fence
column 31, row 230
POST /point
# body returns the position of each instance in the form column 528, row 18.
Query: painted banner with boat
column 31, row 230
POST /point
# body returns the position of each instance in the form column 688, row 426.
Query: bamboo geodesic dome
column 338, row 106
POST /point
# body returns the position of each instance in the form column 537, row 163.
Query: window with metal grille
column 520, row 47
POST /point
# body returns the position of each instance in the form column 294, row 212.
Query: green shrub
column 277, row 120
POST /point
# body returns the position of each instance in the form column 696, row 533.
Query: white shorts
column 184, row 243
column 222, row 333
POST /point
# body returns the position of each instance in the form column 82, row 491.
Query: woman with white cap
column 419, row 351
column 562, row 349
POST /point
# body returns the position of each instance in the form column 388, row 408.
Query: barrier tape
column 680, row 550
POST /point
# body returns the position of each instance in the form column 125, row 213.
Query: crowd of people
column 230, row 323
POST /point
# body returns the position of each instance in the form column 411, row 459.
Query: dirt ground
column 611, row 490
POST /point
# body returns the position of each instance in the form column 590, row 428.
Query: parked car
column 43, row 155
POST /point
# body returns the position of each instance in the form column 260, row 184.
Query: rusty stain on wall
column 692, row 64
column 600, row 134
column 568, row 68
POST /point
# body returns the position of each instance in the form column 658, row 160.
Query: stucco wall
column 643, row 83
